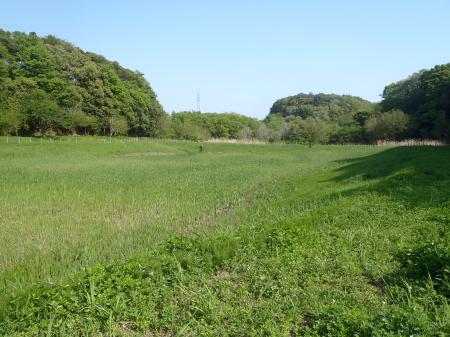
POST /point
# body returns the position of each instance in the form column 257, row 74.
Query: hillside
column 425, row 97
column 326, row 107
column 49, row 86
column 417, row 107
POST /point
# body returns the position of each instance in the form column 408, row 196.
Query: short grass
column 156, row 238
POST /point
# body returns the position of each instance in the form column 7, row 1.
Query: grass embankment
column 333, row 246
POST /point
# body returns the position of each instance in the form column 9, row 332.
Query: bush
column 389, row 125
column 308, row 131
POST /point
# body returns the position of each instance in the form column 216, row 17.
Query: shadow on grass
column 417, row 176
column 414, row 177
column 429, row 262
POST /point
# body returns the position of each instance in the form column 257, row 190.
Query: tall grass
column 69, row 204
column 411, row 142
column 236, row 141
column 240, row 240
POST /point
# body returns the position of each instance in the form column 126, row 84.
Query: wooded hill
column 48, row 85
column 326, row 107
column 320, row 118
column 417, row 107
column 425, row 97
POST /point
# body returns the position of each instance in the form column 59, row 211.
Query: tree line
column 417, row 107
column 49, row 86
column 193, row 125
column 425, row 98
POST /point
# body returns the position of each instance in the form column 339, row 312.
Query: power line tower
column 198, row 101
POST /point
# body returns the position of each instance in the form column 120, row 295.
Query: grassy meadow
column 157, row 238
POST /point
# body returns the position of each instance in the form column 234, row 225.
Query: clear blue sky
column 243, row 55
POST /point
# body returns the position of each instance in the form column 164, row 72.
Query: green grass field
column 155, row 238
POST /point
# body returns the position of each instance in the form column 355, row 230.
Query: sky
column 243, row 55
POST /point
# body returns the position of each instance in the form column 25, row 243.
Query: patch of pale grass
column 235, row 141
column 147, row 154
column 411, row 142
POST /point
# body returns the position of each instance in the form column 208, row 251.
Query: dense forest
column 320, row 117
column 48, row 86
column 322, row 106
column 425, row 98
column 417, row 107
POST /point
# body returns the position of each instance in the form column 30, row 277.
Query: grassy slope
column 339, row 247
column 65, row 205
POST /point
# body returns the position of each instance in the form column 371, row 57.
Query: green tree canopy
column 308, row 131
column 390, row 125
column 49, row 84
column 326, row 107
column 340, row 117
column 196, row 125
column 425, row 97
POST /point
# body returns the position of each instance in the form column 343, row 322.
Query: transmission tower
column 198, row 101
